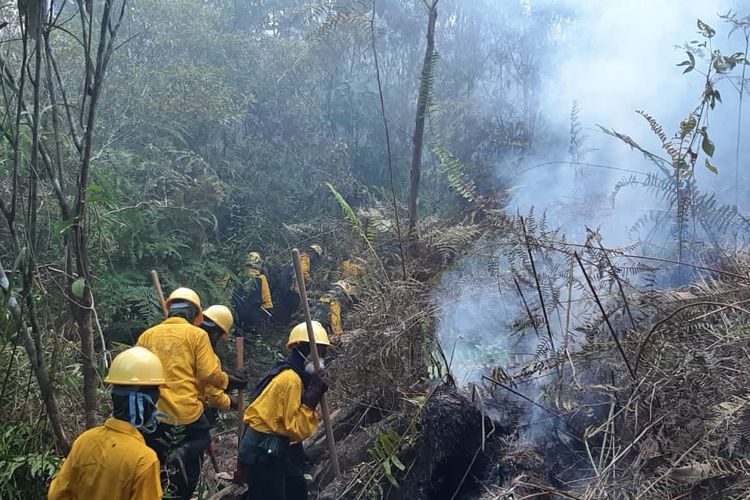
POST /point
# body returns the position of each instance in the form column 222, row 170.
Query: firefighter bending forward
column 112, row 461
column 281, row 416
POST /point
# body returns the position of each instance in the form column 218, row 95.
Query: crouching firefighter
column 189, row 362
column 328, row 308
column 112, row 461
column 281, row 415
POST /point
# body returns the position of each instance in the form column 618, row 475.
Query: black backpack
column 247, row 297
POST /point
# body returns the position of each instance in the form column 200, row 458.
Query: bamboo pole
column 316, row 361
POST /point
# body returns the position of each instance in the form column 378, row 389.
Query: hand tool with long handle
column 159, row 292
column 240, row 367
column 316, row 361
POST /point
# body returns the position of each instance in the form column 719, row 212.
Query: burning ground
column 636, row 390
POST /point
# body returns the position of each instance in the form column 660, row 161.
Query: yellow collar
column 175, row 320
column 117, row 425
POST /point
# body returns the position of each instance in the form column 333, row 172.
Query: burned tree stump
column 448, row 448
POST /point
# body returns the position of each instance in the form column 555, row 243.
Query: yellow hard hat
column 221, row 315
column 345, row 286
column 253, row 258
column 187, row 295
column 317, row 249
column 136, row 366
column 299, row 335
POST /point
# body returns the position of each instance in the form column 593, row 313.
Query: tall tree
column 425, row 90
column 99, row 27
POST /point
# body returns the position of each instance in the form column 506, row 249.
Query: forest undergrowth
column 492, row 353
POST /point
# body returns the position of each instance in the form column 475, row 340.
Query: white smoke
column 613, row 58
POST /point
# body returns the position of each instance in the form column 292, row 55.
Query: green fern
column 348, row 212
column 456, row 173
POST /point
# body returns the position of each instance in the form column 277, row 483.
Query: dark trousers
column 272, row 477
column 270, row 481
column 180, row 450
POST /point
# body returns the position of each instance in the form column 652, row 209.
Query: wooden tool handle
column 240, row 366
column 159, row 292
column 316, row 361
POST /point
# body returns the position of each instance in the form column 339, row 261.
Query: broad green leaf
column 711, row 167
column 77, row 287
column 389, row 474
column 62, row 226
column 348, row 212
column 707, row 145
column 687, row 126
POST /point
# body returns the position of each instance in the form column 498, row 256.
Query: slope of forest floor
column 649, row 400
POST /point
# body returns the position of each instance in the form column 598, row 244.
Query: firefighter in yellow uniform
column 309, row 260
column 351, row 269
column 217, row 322
column 254, row 270
column 281, row 415
column 189, row 362
column 252, row 300
column 328, row 308
column 112, row 461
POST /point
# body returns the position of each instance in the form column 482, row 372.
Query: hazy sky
column 616, row 57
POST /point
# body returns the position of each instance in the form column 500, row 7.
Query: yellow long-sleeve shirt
column 265, row 290
column 334, row 314
column 188, row 360
column 350, row 270
column 109, row 462
column 278, row 409
column 215, row 398
column 304, row 262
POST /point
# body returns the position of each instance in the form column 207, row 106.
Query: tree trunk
column 46, row 384
column 418, row 139
column 83, row 306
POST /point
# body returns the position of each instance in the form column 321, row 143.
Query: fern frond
column 348, row 212
column 455, row 171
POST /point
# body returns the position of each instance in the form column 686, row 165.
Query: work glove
column 316, row 387
column 236, row 382
column 232, row 402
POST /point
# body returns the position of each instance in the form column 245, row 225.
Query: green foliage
column 456, row 173
column 384, row 451
column 348, row 212
column 675, row 185
column 25, row 473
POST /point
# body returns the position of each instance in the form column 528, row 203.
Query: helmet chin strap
column 137, row 402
